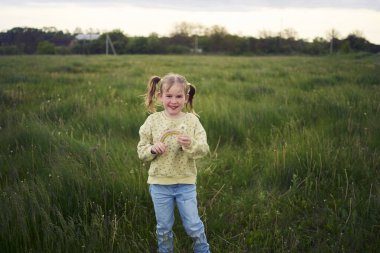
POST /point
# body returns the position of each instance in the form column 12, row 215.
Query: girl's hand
column 158, row 148
column 184, row 140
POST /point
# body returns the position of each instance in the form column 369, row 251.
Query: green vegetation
column 185, row 39
column 294, row 165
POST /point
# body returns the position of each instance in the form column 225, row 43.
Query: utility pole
column 109, row 44
column 196, row 44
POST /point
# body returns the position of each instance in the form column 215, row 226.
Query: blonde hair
column 165, row 83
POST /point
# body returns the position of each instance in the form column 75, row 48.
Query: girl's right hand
column 158, row 148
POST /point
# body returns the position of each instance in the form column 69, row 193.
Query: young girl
column 171, row 140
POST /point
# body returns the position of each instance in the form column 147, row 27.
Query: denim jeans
column 164, row 198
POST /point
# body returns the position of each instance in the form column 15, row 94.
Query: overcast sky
column 309, row 19
column 224, row 5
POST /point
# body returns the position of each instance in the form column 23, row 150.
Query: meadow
column 294, row 163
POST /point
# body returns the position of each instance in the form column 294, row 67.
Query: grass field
column 294, row 163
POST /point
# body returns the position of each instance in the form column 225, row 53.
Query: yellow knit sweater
column 177, row 164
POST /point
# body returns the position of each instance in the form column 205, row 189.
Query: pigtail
column 150, row 94
column 191, row 94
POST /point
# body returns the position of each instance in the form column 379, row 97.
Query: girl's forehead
column 176, row 87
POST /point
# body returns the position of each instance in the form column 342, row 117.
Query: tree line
column 185, row 39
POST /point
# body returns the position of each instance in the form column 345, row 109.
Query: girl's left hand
column 184, row 140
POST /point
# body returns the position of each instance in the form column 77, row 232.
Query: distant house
column 82, row 40
column 87, row 36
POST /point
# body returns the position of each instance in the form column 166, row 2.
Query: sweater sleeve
column 198, row 147
column 146, row 142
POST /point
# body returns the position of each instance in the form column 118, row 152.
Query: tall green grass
column 294, row 162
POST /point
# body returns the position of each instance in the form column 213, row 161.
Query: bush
column 8, row 50
column 45, row 47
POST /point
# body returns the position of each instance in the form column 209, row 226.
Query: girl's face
column 173, row 100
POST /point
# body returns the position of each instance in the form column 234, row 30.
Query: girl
column 171, row 140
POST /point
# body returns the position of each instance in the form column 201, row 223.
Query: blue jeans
column 164, row 198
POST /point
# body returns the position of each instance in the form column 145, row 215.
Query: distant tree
column 357, row 43
column 252, row 45
column 236, row 45
column 181, row 40
column 270, row 45
column 332, row 36
column 56, row 37
column 186, row 37
column 358, row 34
column 78, row 30
column 45, row 47
column 94, row 31
column 9, row 50
column 318, row 46
column 345, row 48
column 94, row 46
column 26, row 40
column 217, row 36
column 119, row 40
column 183, row 28
column 154, row 45
column 280, row 43
column 188, row 29
column 178, row 49
column 49, row 29
column 98, row 46
column 289, row 33
column 137, row 45
column 216, row 30
column 265, row 34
